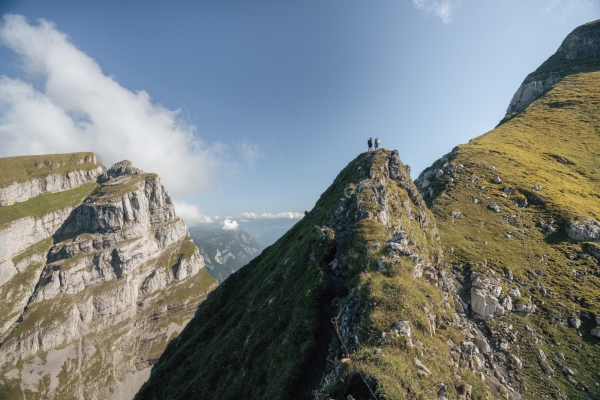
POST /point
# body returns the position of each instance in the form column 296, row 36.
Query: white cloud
column 190, row 213
column 75, row 107
column 289, row 214
column 443, row 9
column 229, row 225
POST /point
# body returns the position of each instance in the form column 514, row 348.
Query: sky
column 251, row 109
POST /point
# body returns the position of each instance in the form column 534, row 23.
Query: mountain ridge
column 494, row 275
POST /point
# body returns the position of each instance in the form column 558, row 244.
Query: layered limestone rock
column 580, row 49
column 50, row 182
column 118, row 279
column 19, row 235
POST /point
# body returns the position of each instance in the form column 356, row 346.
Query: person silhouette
column 377, row 143
column 370, row 143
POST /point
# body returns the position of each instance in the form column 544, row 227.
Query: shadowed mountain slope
column 366, row 257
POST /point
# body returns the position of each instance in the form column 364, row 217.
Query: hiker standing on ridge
column 377, row 143
column 370, row 143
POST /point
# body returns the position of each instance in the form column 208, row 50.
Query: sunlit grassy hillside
column 547, row 156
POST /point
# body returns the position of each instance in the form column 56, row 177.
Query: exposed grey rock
column 597, row 319
column 112, row 255
column 547, row 369
column 515, row 292
column 575, row 322
column 587, row 230
column 482, row 344
column 494, row 207
column 580, row 49
column 517, row 362
column 488, row 301
column 497, row 180
column 542, row 354
column 18, row 235
column 524, row 309
column 595, row 332
column 403, row 328
column 422, row 367
column 53, row 183
column 121, row 168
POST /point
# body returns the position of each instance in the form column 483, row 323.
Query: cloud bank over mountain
column 68, row 104
column 229, row 225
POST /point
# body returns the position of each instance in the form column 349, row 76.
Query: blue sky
column 274, row 98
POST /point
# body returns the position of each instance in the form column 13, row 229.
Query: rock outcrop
column 113, row 279
column 84, row 170
column 579, row 50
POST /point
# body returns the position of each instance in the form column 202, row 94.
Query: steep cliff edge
column 579, row 50
column 353, row 300
column 98, row 291
column 28, row 176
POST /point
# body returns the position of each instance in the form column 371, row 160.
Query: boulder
column 494, row 207
column 547, row 369
column 485, row 304
column 587, row 230
column 575, row 322
column 482, row 344
column 517, row 362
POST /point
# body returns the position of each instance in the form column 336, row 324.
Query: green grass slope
column 24, row 168
column 548, row 156
column 307, row 317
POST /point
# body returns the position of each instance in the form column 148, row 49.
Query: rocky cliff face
column 579, row 50
column 42, row 175
column 96, row 289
